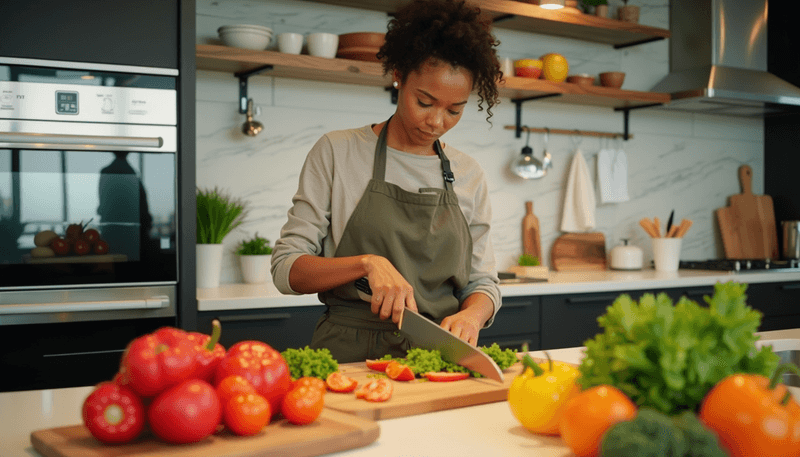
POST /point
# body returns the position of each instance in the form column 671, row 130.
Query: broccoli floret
column 654, row 434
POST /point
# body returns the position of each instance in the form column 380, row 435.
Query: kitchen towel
column 612, row 174
column 579, row 200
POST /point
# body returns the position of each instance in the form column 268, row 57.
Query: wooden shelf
column 516, row 15
column 236, row 60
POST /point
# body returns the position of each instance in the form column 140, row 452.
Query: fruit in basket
column 528, row 68
column 41, row 252
column 73, row 232
column 60, row 246
column 44, row 238
column 81, row 247
column 100, row 247
column 91, row 236
column 555, row 67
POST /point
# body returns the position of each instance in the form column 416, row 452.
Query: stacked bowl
column 255, row 37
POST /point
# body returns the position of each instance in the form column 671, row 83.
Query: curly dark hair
column 449, row 31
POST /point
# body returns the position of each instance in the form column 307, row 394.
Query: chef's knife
column 428, row 335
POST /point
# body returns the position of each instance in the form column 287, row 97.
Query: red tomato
column 232, row 386
column 81, row 247
column 186, row 413
column 376, row 390
column 91, row 236
column 303, row 404
column 260, row 364
column 100, row 247
column 441, row 376
column 589, row 415
column 337, row 382
column 311, row 381
column 113, row 413
column 378, row 365
column 60, row 246
column 246, row 414
column 399, row 372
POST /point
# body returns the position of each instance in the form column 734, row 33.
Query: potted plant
column 596, row 7
column 628, row 13
column 217, row 214
column 254, row 255
column 529, row 266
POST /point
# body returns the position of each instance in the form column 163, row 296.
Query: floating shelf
column 525, row 17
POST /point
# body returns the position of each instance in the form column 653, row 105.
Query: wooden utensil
column 578, row 252
column 747, row 225
column 531, row 235
column 332, row 431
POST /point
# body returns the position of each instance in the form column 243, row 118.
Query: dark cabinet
column 517, row 322
column 281, row 328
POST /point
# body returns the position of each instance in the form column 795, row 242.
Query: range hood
column 718, row 60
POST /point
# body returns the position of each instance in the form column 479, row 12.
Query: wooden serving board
column 747, row 225
column 332, row 431
column 579, row 252
column 419, row 396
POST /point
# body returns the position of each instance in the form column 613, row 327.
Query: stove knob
column 749, row 265
column 737, row 266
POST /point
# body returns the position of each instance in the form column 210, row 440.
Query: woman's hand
column 391, row 293
column 467, row 323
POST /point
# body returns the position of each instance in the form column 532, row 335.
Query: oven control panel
column 81, row 103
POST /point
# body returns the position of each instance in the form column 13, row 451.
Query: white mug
column 290, row 43
column 323, row 44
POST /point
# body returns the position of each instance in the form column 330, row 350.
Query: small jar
column 626, row 257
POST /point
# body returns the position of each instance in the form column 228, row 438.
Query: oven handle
column 69, row 307
column 83, row 140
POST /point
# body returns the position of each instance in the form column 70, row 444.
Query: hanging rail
column 569, row 132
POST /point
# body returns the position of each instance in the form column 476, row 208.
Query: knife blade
column 426, row 334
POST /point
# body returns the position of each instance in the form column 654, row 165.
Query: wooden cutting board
column 420, row 396
column 579, row 252
column 332, row 431
column 747, row 225
column 531, row 235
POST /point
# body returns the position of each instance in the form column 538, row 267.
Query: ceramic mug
column 290, row 43
column 323, row 44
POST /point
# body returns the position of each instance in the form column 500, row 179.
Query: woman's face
column 431, row 102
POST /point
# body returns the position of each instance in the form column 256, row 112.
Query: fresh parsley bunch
column 668, row 357
column 310, row 362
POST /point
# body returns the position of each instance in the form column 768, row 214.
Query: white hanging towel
column 612, row 174
column 579, row 200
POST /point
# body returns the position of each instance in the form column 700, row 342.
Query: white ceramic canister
column 626, row 257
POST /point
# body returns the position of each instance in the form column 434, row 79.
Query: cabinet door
column 124, row 32
column 569, row 320
column 516, row 323
column 779, row 303
column 281, row 328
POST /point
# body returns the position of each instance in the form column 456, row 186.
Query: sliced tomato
column 442, row 376
column 376, row 390
column 399, row 372
column 378, row 365
column 337, row 382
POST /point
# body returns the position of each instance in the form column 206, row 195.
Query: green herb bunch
column 318, row 363
column 527, row 260
column 217, row 214
column 669, row 357
column 255, row 246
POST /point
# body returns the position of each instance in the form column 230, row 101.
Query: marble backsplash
column 676, row 161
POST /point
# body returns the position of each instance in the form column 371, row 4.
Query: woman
column 390, row 203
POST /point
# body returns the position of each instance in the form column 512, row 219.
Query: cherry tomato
column 303, row 404
column 378, row 365
column 81, row 247
column 337, row 382
column 113, row 413
column 399, row 372
column 185, row 413
column 100, row 247
column 91, row 236
column 60, row 246
column 246, row 413
column 232, row 386
column 311, row 381
column 589, row 415
column 441, row 376
column 376, row 390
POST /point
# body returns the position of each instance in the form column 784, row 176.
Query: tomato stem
column 782, row 368
column 216, row 332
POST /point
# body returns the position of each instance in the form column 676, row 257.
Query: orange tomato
column 311, row 381
column 338, row 382
column 302, row 405
column 399, row 372
column 246, row 413
column 232, row 386
column 589, row 415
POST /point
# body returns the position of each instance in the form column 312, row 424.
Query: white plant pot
column 255, row 268
column 209, row 265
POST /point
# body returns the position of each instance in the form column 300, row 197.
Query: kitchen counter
column 482, row 430
column 254, row 296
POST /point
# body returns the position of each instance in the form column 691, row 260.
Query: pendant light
column 529, row 167
column 551, row 4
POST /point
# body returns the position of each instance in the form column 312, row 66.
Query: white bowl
column 323, row 44
column 246, row 39
column 244, row 27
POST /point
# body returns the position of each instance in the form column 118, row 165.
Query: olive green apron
column 423, row 234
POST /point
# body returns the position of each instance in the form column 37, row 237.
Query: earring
column 395, row 84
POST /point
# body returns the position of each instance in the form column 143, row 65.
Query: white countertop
column 253, row 296
column 484, row 430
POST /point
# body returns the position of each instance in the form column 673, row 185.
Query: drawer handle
column 111, row 305
column 593, row 299
column 792, row 286
column 257, row 317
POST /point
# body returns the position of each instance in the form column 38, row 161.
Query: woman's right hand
column 391, row 293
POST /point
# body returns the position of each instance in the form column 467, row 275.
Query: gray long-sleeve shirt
column 335, row 176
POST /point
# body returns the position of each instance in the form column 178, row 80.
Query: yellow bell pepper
column 538, row 395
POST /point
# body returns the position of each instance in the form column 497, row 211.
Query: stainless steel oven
column 88, row 198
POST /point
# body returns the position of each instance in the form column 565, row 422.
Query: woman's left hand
column 464, row 324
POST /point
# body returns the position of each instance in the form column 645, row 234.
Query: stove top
column 742, row 265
